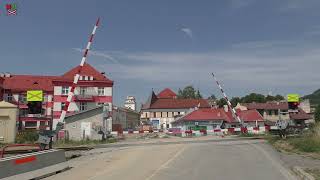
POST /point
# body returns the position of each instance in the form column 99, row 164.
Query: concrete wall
column 85, row 125
column 8, row 118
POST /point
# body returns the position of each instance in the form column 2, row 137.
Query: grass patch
column 307, row 144
column 314, row 172
column 70, row 143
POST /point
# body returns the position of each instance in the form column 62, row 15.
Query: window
column 154, row 114
column 83, row 106
column 100, row 104
column 167, row 114
column 269, row 112
column 63, row 104
column 9, row 97
column 22, row 98
column 31, row 124
column 276, row 112
column 167, row 126
column 83, row 90
column 100, row 91
column 161, row 114
column 43, row 123
column 65, row 90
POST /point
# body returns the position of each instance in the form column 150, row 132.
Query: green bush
column 27, row 137
column 306, row 144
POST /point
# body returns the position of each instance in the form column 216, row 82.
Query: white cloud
column 105, row 55
column 187, row 31
column 264, row 66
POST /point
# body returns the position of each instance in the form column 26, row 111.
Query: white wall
column 108, row 91
column 57, row 90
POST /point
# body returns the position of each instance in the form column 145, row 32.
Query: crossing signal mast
column 234, row 112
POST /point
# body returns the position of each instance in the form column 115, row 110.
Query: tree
column 213, row 97
column 221, row 102
column 253, row 97
column 198, row 95
column 234, row 101
column 317, row 114
column 180, row 94
column 189, row 93
column 279, row 97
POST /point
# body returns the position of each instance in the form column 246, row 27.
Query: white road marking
column 282, row 170
column 164, row 165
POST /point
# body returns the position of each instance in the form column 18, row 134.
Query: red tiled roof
column 206, row 114
column 167, row 93
column 247, row 115
column 267, row 106
column 87, row 70
column 178, row 103
column 29, row 82
column 301, row 115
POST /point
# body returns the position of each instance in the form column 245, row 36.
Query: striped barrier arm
column 227, row 99
column 77, row 76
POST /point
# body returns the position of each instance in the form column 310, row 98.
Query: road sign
column 35, row 95
column 293, row 97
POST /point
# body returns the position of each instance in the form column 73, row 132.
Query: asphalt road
column 225, row 160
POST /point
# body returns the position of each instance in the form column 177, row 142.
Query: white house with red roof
column 211, row 118
column 93, row 89
column 162, row 109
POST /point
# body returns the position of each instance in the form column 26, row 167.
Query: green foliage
column 254, row 97
column 234, row 101
column 314, row 97
column 274, row 98
column 213, row 97
column 198, row 95
column 306, row 144
column 317, row 114
column 27, row 137
column 189, row 93
column 221, row 102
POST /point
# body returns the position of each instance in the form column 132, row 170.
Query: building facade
column 8, row 118
column 275, row 111
column 162, row 109
column 125, row 119
column 93, row 89
column 130, row 103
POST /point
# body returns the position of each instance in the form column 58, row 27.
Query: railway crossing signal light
column 34, row 107
column 293, row 105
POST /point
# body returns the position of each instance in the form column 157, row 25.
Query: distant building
column 124, row 118
column 93, row 89
column 274, row 111
column 211, row 118
column 162, row 109
column 130, row 103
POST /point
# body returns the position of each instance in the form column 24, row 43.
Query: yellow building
column 8, row 119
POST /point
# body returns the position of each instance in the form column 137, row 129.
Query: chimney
column 226, row 108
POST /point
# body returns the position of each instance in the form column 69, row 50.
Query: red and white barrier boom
column 76, row 77
column 227, row 99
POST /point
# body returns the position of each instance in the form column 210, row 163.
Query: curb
column 302, row 174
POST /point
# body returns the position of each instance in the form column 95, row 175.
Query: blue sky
column 251, row 45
